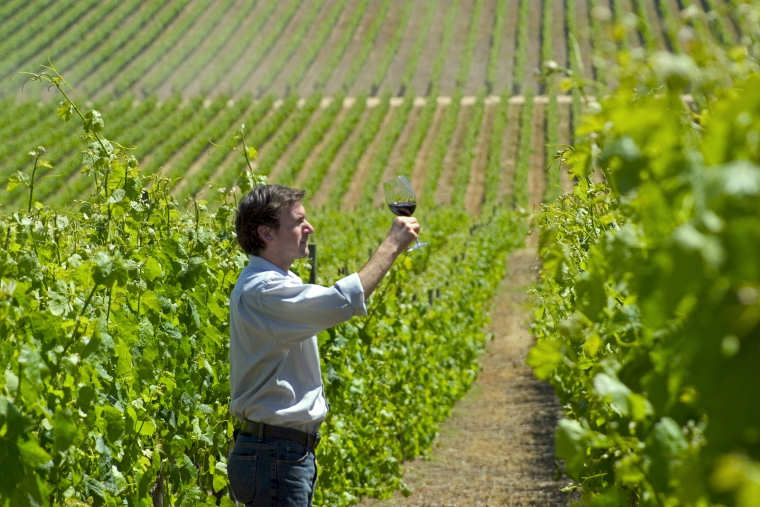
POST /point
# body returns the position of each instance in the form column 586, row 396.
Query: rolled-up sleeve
column 292, row 311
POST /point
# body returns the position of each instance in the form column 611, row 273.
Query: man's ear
column 265, row 232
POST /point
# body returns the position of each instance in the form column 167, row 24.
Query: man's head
column 271, row 219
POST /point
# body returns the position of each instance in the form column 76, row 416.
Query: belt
column 308, row 440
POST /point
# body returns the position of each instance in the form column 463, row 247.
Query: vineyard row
column 338, row 148
column 232, row 47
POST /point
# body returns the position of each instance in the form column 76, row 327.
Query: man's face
column 291, row 240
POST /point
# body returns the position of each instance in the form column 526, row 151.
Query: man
column 275, row 376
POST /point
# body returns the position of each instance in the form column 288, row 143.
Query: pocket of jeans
column 293, row 454
column 242, row 473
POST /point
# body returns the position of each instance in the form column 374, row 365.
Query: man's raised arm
column 403, row 232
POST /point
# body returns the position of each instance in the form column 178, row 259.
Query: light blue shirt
column 275, row 375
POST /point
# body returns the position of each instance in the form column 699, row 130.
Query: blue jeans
column 271, row 471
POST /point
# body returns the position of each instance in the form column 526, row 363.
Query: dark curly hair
column 261, row 206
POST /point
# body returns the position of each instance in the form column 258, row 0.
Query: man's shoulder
column 256, row 276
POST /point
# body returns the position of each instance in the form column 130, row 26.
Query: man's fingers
column 407, row 220
column 405, row 230
column 409, row 223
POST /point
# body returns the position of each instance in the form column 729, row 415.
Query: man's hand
column 403, row 232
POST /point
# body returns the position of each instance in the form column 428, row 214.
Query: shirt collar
column 261, row 264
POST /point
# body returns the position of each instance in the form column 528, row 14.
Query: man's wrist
column 394, row 248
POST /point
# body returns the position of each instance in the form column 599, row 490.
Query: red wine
column 404, row 209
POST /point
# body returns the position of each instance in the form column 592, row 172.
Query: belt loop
column 260, row 431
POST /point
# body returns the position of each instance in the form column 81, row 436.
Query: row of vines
column 191, row 47
column 647, row 314
column 187, row 138
column 309, row 142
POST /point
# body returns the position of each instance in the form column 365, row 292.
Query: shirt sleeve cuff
column 351, row 287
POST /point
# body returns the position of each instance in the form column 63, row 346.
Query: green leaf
column 64, row 430
column 640, row 406
column 17, row 179
column 150, row 300
column 85, row 397
column 592, row 344
column 669, row 437
column 115, row 423
column 58, row 304
column 11, row 381
column 124, row 358
column 32, row 363
column 13, row 468
column 103, row 267
column 108, row 270
column 147, row 427
column 571, row 441
column 32, row 454
column 120, row 483
column 117, row 196
column 94, row 486
column 97, row 153
column 65, row 110
column 628, row 470
column 152, row 269
column 665, row 444
column 93, row 121
column 615, row 391
column 591, row 297
column 219, row 482
column 544, row 357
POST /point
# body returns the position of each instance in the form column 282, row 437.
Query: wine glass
column 400, row 198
